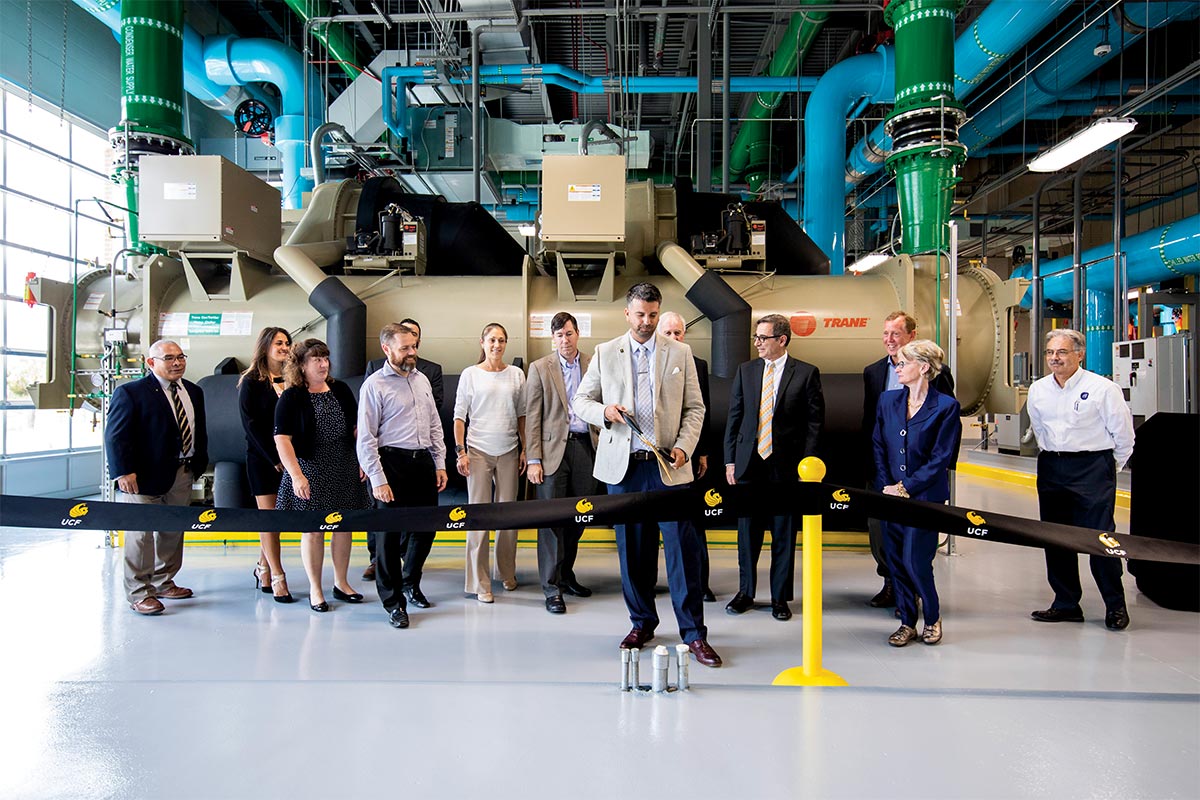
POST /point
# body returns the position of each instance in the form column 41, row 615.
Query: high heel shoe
column 259, row 571
column 338, row 594
column 281, row 580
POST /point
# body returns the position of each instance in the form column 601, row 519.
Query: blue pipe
column 1099, row 333
column 1153, row 256
column 395, row 81
column 1000, row 30
column 872, row 75
column 230, row 61
column 1070, row 65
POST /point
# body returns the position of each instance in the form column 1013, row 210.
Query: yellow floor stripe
column 1019, row 478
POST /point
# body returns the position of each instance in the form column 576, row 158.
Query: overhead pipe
column 1153, row 256
column 1071, row 64
column 751, row 148
column 926, row 153
column 999, row 31
column 318, row 153
column 340, row 46
column 870, row 75
column 231, row 61
column 222, row 99
column 727, row 311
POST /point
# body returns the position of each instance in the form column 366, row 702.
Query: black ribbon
column 716, row 508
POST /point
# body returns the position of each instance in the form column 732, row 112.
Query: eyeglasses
column 760, row 339
column 1058, row 353
column 181, row 358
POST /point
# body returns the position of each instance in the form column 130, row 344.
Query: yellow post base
column 795, row 676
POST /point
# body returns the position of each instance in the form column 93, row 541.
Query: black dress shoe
column 338, row 594
column 320, row 607
column 886, row 597
column 417, row 597
column 575, row 588
column 555, row 604
column 398, row 618
column 781, row 612
column 1059, row 615
column 709, row 597
column 704, row 653
column 636, row 639
column 740, row 604
column 1117, row 619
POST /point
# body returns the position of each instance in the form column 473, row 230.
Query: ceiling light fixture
column 1100, row 133
column 868, row 262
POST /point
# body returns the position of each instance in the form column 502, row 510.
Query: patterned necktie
column 766, row 410
column 185, row 428
column 643, row 402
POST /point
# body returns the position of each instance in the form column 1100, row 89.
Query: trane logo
column 846, row 322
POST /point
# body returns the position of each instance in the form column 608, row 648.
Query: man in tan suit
column 652, row 379
column 561, row 452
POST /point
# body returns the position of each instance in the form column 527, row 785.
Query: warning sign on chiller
column 583, row 193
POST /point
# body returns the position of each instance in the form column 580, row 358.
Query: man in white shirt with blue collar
column 1085, row 432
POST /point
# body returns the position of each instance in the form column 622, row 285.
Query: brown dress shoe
column 176, row 593
column 704, row 653
column 636, row 639
column 369, row 572
column 147, row 606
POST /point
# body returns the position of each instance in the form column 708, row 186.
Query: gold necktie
column 766, row 410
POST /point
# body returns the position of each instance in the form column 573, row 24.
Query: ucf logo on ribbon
column 713, row 500
column 75, row 515
column 583, row 507
column 206, row 518
column 457, row 515
column 1111, row 545
column 332, row 521
column 977, row 522
column 841, row 500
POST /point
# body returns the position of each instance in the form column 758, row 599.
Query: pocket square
column 675, row 371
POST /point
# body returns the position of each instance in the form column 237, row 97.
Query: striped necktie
column 185, row 428
column 643, row 401
column 766, row 410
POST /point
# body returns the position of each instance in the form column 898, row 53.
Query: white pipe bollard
column 682, row 659
column 624, row 670
column 634, row 679
column 662, row 662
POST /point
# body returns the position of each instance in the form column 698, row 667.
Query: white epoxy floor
column 231, row 695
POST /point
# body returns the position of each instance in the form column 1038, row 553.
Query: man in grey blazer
column 561, row 453
column 653, row 380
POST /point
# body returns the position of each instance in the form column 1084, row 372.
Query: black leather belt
column 579, row 437
column 641, row 455
column 1076, row 453
column 400, row 451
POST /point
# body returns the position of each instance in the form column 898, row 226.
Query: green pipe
column 339, row 44
column 751, row 147
column 924, row 122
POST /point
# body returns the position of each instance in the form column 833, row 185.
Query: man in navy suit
column 898, row 330
column 157, row 444
column 776, row 412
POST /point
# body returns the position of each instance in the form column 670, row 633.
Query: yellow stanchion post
column 812, row 470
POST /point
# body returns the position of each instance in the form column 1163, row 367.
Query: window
column 50, row 164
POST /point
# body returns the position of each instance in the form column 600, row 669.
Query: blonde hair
column 926, row 352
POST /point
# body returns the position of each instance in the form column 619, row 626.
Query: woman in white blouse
column 490, row 453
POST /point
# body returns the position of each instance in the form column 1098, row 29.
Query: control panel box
column 205, row 204
column 583, row 199
column 1153, row 374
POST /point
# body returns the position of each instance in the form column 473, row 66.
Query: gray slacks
column 557, row 547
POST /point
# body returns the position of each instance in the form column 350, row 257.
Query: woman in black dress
column 258, row 390
column 314, row 433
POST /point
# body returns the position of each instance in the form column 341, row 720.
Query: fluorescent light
column 869, row 261
column 1100, row 133
column 527, row 230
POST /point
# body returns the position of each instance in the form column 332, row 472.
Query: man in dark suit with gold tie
column 776, row 412
column 157, row 444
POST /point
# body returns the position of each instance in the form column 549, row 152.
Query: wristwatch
column 461, row 449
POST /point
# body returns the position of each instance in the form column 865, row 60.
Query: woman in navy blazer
column 916, row 439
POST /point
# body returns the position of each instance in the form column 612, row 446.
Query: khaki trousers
column 503, row 472
column 153, row 558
